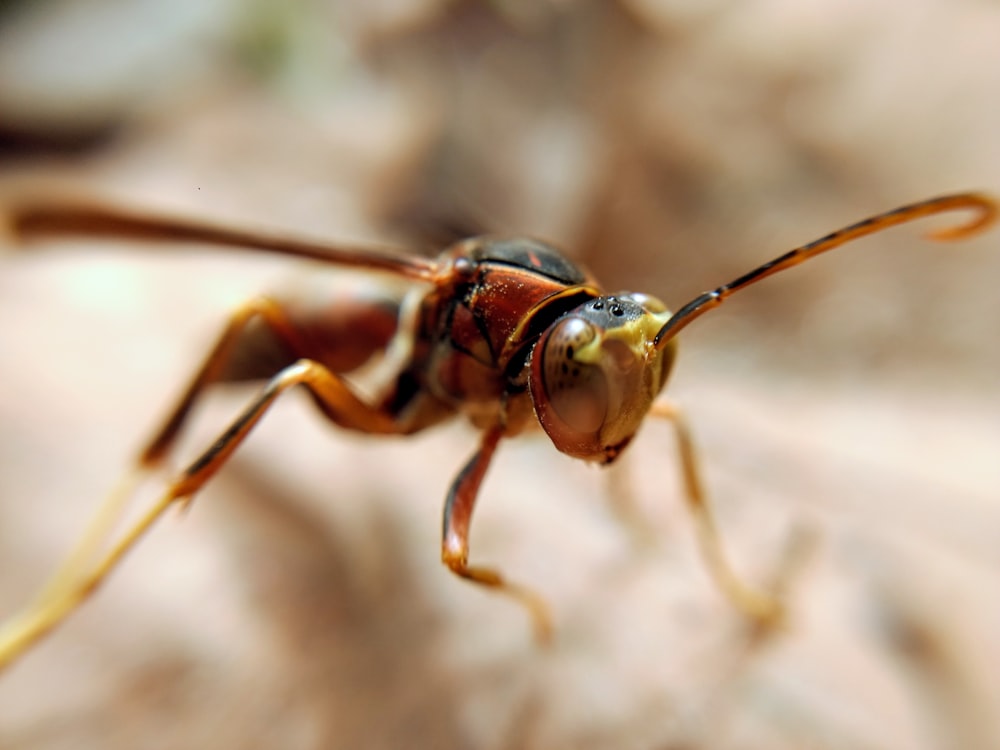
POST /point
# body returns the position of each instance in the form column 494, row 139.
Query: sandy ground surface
column 300, row 603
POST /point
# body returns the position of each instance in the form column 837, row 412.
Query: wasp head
column 595, row 373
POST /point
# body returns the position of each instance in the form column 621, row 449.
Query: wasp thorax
column 595, row 373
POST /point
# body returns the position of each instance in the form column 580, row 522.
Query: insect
column 506, row 332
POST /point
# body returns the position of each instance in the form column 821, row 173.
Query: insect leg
column 455, row 538
column 336, row 398
column 757, row 606
column 215, row 368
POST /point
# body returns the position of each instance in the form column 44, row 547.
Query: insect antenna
column 986, row 214
column 36, row 219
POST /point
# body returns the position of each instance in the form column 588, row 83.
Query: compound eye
column 577, row 392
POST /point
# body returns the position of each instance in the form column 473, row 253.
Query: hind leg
column 213, row 369
column 262, row 335
column 95, row 563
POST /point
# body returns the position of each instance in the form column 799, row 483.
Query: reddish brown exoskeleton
column 506, row 332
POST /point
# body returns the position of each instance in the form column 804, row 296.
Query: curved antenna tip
column 987, row 213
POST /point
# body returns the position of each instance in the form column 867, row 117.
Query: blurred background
column 669, row 145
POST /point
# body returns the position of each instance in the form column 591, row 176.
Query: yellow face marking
column 635, row 335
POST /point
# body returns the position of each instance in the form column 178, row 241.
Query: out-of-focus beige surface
column 670, row 146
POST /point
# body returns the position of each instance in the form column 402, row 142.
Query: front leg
column 758, row 606
column 455, row 540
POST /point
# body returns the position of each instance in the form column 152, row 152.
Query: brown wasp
column 506, row 332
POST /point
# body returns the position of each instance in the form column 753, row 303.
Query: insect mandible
column 505, row 331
